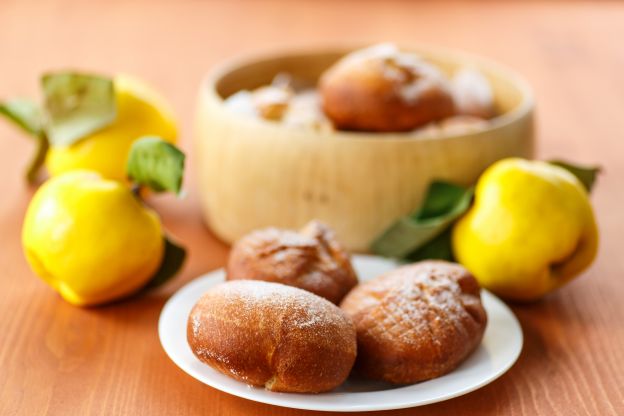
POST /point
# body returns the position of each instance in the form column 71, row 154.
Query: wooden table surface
column 61, row 360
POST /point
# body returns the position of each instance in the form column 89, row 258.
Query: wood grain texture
column 56, row 359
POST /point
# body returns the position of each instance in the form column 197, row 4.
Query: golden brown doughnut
column 383, row 89
column 273, row 335
column 310, row 259
column 417, row 322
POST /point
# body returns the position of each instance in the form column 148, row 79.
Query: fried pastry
column 272, row 335
column 310, row 259
column 383, row 89
column 417, row 322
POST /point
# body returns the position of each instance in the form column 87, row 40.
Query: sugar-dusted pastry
column 417, row 322
column 381, row 88
column 272, row 335
column 310, row 259
column 472, row 94
column 270, row 102
column 305, row 111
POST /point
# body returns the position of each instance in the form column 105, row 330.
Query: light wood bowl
column 256, row 173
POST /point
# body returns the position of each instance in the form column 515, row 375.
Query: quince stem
column 136, row 190
column 37, row 161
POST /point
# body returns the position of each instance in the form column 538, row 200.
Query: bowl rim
column 208, row 88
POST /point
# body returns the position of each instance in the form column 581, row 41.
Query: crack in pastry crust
column 310, row 259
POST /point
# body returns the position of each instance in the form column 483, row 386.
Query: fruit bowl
column 255, row 173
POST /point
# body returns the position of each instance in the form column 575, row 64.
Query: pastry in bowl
column 310, row 259
column 272, row 335
column 417, row 322
column 384, row 89
column 472, row 94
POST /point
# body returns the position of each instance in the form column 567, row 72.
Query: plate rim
column 247, row 392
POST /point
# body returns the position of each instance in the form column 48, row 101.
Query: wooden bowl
column 257, row 173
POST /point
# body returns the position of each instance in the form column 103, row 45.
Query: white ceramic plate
column 500, row 348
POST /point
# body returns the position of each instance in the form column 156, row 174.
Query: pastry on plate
column 310, row 259
column 272, row 335
column 417, row 322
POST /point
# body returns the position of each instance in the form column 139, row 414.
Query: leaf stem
column 34, row 166
column 136, row 190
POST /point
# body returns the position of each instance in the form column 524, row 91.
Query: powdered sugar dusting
column 301, row 308
column 278, row 239
column 428, row 316
column 260, row 332
column 413, row 77
column 310, row 259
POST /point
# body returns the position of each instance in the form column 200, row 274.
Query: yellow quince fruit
column 531, row 229
column 91, row 238
column 140, row 112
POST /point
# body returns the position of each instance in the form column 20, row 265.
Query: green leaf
column 586, row 174
column 173, row 259
column 77, row 105
column 439, row 248
column 28, row 115
column 25, row 113
column 443, row 204
column 156, row 163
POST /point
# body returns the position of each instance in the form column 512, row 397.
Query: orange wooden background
column 59, row 360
